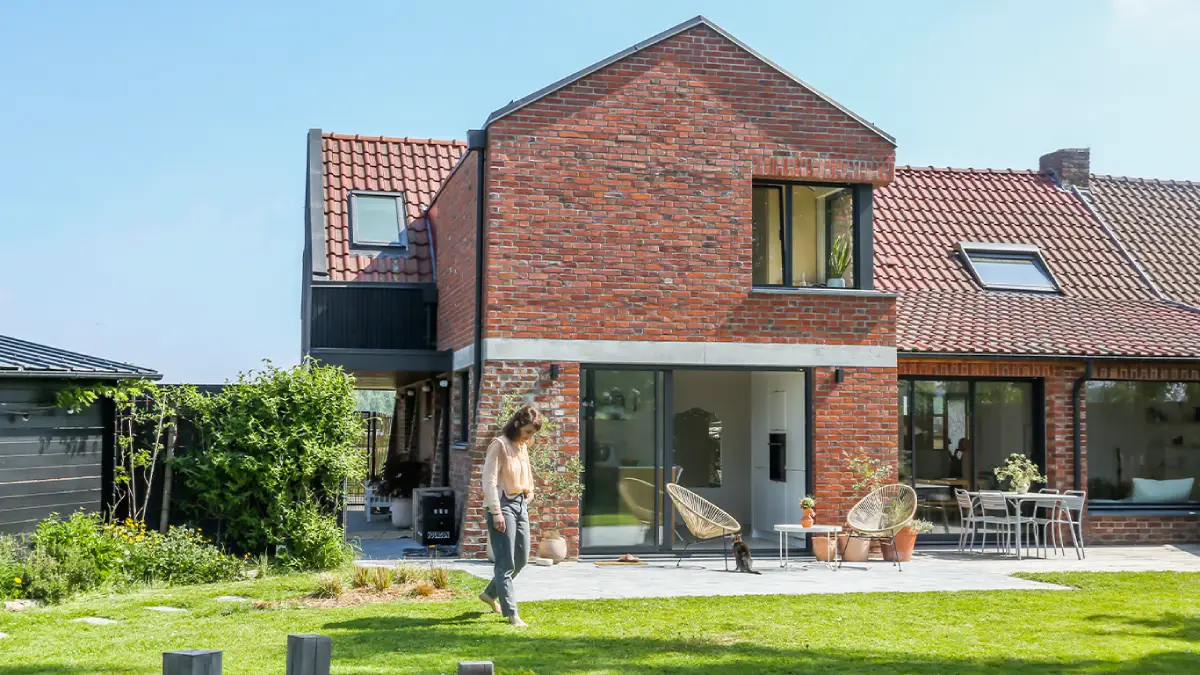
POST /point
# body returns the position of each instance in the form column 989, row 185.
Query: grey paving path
column 929, row 571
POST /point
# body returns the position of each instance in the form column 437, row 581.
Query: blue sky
column 153, row 154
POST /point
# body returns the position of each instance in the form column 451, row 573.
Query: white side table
column 791, row 528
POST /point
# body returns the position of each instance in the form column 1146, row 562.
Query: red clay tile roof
column 1159, row 222
column 412, row 166
column 1105, row 308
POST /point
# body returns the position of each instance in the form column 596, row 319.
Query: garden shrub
column 81, row 553
column 277, row 448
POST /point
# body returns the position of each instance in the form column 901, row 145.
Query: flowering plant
column 1020, row 472
column 808, row 502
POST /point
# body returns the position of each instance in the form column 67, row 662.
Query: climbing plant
column 557, row 479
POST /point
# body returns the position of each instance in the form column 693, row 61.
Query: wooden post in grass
column 476, row 668
column 309, row 654
column 192, row 662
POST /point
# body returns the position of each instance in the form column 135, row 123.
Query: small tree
column 559, row 480
column 146, row 418
column 870, row 473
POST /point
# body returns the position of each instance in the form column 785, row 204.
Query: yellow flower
column 17, row 579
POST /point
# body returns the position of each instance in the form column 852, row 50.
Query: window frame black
column 1038, row 405
column 401, row 221
column 785, row 207
column 1134, row 509
column 966, row 250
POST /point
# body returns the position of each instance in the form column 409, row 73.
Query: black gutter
column 477, row 141
column 1077, row 422
column 314, row 263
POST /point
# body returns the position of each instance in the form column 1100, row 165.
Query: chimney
column 1070, row 166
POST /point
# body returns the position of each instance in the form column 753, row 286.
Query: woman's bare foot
column 515, row 620
column 490, row 602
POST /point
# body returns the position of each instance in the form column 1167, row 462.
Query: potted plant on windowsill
column 1020, row 472
column 841, row 253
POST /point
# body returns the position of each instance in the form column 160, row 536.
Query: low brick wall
column 1141, row 529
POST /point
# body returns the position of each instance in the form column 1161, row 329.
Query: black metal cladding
column 360, row 317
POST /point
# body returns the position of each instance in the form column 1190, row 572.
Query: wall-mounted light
column 425, row 388
column 839, row 375
column 411, row 393
column 554, row 371
column 443, row 384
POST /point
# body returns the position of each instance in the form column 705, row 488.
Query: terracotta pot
column 842, row 540
column 553, row 548
column 857, row 550
column 820, row 544
column 906, row 539
column 807, row 519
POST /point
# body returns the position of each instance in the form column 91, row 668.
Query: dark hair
column 524, row 416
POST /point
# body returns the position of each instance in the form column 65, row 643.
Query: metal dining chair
column 1043, row 513
column 995, row 511
column 968, row 517
column 1077, row 517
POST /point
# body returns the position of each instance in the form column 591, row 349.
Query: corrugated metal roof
column 20, row 358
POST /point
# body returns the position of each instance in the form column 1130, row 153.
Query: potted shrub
column 1020, row 472
column 906, row 539
column 840, row 256
column 869, row 474
column 553, row 546
column 807, row 505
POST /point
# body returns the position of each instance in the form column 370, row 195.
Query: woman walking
column 507, row 488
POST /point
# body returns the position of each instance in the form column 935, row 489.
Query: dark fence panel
column 50, row 462
column 361, row 317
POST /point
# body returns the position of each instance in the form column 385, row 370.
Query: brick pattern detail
column 452, row 219
column 858, row 413
column 557, row 398
column 1140, row 530
column 620, row 206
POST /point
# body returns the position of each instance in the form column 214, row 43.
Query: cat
column 741, row 556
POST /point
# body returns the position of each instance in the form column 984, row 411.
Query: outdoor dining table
column 1039, row 498
column 830, row 531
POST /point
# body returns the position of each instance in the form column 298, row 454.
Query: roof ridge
column 953, row 169
column 393, row 139
column 1149, row 181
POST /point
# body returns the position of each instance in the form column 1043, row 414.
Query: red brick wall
column 558, row 399
column 1101, row 529
column 452, row 218
column 860, row 412
column 620, row 206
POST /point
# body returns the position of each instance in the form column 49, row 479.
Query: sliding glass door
column 622, row 504
column 954, row 433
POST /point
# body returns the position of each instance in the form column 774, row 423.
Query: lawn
column 1115, row 623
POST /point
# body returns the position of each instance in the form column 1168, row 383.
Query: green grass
column 1115, row 623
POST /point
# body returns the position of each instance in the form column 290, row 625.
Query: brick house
column 710, row 273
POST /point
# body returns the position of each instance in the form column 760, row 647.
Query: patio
column 930, row 570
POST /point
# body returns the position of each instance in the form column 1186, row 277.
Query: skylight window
column 377, row 219
column 1008, row 267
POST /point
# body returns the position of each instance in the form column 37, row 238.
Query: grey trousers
column 511, row 550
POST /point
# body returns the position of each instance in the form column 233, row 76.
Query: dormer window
column 377, row 219
column 1008, row 267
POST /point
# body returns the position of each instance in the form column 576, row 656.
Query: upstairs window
column 1008, row 267
column 803, row 235
column 377, row 219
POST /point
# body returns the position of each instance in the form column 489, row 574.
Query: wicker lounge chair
column 703, row 519
column 883, row 513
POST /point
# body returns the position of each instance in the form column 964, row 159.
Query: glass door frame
column 1039, row 424
column 664, row 510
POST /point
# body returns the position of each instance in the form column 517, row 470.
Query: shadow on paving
column 431, row 639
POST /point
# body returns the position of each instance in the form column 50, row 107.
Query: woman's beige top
column 506, row 471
